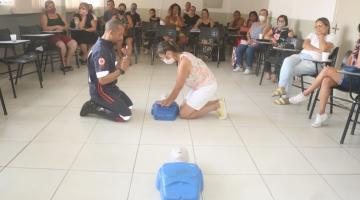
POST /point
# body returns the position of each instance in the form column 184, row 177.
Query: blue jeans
column 250, row 53
column 295, row 65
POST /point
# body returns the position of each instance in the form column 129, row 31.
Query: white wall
column 228, row 5
column 304, row 9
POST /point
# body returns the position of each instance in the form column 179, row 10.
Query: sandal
column 67, row 68
column 282, row 101
column 83, row 62
column 279, row 92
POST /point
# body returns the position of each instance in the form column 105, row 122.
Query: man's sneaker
column 247, row 71
column 298, row 98
column 236, row 69
column 221, row 111
column 88, row 107
column 320, row 120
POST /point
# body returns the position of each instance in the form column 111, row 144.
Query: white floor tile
column 309, row 137
column 224, row 160
column 143, row 187
column 8, row 150
column 106, row 157
column 77, row 132
column 166, row 133
column 121, row 133
column 253, row 136
column 246, row 187
column 47, row 155
column 19, row 131
column 332, row 160
column 280, row 161
column 347, row 186
column 94, row 186
column 214, row 135
column 20, row 184
column 299, row 187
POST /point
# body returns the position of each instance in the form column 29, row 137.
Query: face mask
column 262, row 18
column 169, row 61
column 51, row 10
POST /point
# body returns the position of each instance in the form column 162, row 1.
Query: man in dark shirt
column 106, row 98
column 134, row 15
column 111, row 10
column 191, row 18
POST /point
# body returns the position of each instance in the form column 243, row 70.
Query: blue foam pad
column 165, row 113
column 180, row 181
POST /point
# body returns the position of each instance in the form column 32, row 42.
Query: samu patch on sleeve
column 102, row 62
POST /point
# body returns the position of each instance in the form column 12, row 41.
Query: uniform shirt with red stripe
column 101, row 62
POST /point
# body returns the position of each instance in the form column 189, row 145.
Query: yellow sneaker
column 221, row 111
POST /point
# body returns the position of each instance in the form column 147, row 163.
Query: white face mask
column 169, row 61
column 262, row 18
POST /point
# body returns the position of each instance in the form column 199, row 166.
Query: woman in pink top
column 195, row 74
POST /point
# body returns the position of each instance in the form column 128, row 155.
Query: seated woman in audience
column 315, row 43
column 237, row 22
column 85, row 22
column 191, row 18
column 174, row 18
column 330, row 78
column 278, row 35
column 195, row 74
column 205, row 20
column 153, row 17
column 250, row 46
column 128, row 38
column 52, row 21
column 253, row 17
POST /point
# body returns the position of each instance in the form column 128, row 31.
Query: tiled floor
column 262, row 152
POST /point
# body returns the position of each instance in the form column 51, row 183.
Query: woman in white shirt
column 315, row 43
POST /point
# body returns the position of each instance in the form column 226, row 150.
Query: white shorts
column 197, row 99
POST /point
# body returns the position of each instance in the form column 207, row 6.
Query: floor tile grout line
column 141, row 133
column 248, row 151
column 36, row 135
column 295, row 146
column 73, row 162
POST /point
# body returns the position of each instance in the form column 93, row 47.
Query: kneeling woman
column 194, row 73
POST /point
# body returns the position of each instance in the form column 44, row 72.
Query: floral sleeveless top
column 200, row 75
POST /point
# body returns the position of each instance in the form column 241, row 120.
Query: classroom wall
column 302, row 14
